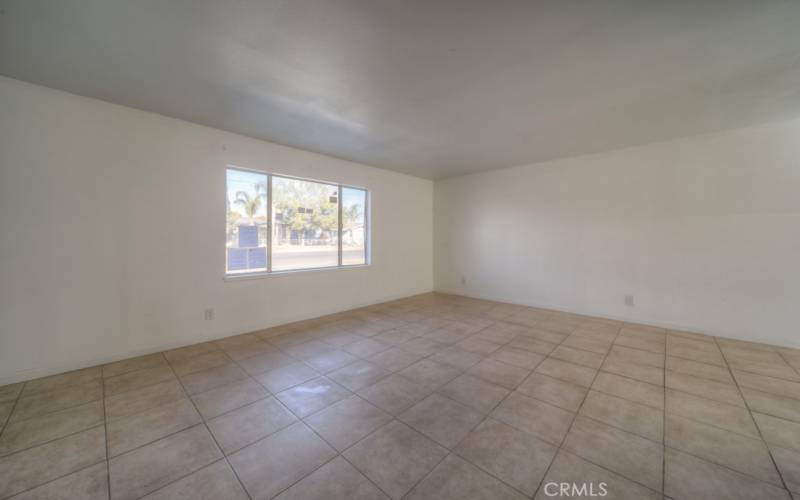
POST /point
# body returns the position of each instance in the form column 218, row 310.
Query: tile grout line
column 70, row 407
column 663, row 444
column 208, row 430
column 187, row 396
column 104, row 419
column 577, row 412
column 105, row 429
column 427, row 474
column 488, row 415
column 698, row 376
column 770, row 376
column 70, row 434
column 300, row 420
column 149, row 442
column 407, row 425
column 727, row 467
column 450, row 450
column 679, row 390
column 55, row 479
column 334, row 347
column 664, row 421
column 227, row 412
column 703, row 423
column 783, row 357
column 663, row 429
column 692, row 419
column 597, row 371
column 184, row 476
column 341, row 454
column 752, row 418
column 393, row 419
column 13, row 408
column 131, row 370
column 297, row 360
column 8, row 420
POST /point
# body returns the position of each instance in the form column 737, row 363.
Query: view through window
column 246, row 231
column 305, row 233
column 313, row 224
column 354, row 226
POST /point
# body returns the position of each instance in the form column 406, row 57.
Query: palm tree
column 251, row 204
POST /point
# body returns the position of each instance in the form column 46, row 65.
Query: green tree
column 318, row 216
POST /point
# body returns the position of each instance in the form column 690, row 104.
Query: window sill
column 276, row 274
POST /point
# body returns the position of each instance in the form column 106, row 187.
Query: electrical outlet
column 208, row 314
column 629, row 300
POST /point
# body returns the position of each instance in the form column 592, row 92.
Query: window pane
column 354, row 228
column 306, row 224
column 246, row 229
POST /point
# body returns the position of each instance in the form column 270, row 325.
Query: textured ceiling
column 432, row 88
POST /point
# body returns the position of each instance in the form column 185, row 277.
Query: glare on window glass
column 246, row 228
column 354, row 204
column 305, row 224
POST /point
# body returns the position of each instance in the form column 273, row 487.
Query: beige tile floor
column 429, row 397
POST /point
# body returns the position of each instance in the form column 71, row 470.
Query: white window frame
column 269, row 271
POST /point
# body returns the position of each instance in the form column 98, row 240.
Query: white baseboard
column 601, row 314
column 44, row 371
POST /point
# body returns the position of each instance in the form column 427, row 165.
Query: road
column 299, row 259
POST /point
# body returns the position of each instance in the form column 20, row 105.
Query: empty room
column 399, row 249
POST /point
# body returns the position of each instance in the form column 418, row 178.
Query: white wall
column 704, row 232
column 112, row 233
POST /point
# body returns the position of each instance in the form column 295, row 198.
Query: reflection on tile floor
column 429, row 397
